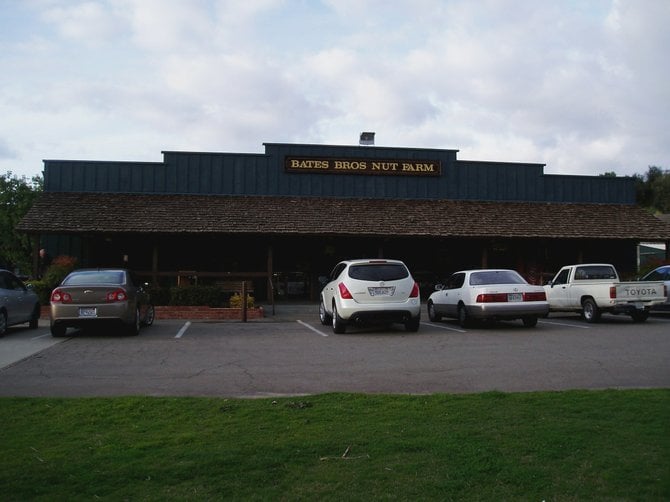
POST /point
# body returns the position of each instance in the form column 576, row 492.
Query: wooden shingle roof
column 81, row 213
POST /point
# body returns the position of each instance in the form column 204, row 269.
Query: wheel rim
column 322, row 312
column 588, row 310
column 334, row 316
column 431, row 311
column 151, row 313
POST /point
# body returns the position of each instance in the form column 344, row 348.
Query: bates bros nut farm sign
column 396, row 167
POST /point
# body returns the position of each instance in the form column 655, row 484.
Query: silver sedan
column 18, row 303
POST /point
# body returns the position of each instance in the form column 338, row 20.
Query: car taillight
column 59, row 296
column 491, row 297
column 612, row 291
column 415, row 291
column 539, row 296
column 344, row 292
column 118, row 295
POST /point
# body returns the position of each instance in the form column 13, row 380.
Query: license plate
column 381, row 291
column 88, row 312
column 514, row 297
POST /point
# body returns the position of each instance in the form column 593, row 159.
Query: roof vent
column 367, row 138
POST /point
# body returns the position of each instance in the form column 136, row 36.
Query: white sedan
column 488, row 294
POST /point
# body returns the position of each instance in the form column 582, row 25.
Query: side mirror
column 550, row 284
column 439, row 287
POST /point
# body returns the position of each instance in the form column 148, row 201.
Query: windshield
column 379, row 272
column 486, row 277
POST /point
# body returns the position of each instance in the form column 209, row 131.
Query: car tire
column 58, row 330
column 133, row 329
column 530, row 321
column 3, row 323
column 413, row 324
column 339, row 326
column 324, row 317
column 463, row 317
column 35, row 317
column 149, row 316
column 590, row 310
column 640, row 316
column 432, row 315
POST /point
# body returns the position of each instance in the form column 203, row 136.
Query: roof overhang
column 169, row 214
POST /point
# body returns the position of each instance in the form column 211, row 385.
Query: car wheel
column 529, row 322
column 3, row 323
column 58, row 330
column 413, row 324
column 463, row 317
column 432, row 315
column 590, row 310
column 35, row 317
column 640, row 315
column 133, row 329
column 149, row 316
column 339, row 326
column 323, row 315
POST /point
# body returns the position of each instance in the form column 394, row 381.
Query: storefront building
column 284, row 218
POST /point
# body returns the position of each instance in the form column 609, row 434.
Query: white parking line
column 582, row 326
column 313, row 329
column 183, row 329
column 40, row 336
column 444, row 327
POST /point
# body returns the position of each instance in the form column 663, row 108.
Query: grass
column 575, row 445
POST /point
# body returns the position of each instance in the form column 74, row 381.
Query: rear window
column 495, row 277
column 594, row 272
column 94, row 277
column 379, row 272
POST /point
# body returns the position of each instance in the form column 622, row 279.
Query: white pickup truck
column 594, row 288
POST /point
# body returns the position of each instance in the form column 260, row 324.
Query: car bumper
column 351, row 311
column 508, row 310
column 71, row 315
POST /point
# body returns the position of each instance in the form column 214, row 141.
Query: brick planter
column 206, row 313
column 196, row 313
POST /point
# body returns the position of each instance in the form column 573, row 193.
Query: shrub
column 236, row 301
column 59, row 268
column 43, row 291
column 211, row 296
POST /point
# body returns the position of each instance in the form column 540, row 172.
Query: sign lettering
column 399, row 167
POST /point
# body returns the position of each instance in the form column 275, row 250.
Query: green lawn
column 576, row 445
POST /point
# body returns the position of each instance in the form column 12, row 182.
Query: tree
column 653, row 190
column 16, row 197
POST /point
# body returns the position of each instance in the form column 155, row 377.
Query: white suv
column 370, row 291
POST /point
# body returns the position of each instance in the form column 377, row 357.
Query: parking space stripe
column 582, row 326
column 40, row 336
column 444, row 327
column 183, row 329
column 312, row 328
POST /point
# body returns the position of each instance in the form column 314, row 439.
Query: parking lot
column 291, row 353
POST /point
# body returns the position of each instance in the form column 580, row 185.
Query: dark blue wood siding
column 264, row 174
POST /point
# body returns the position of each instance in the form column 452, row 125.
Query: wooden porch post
column 485, row 256
column 271, row 292
column 154, row 266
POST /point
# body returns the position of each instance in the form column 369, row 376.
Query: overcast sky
column 582, row 86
